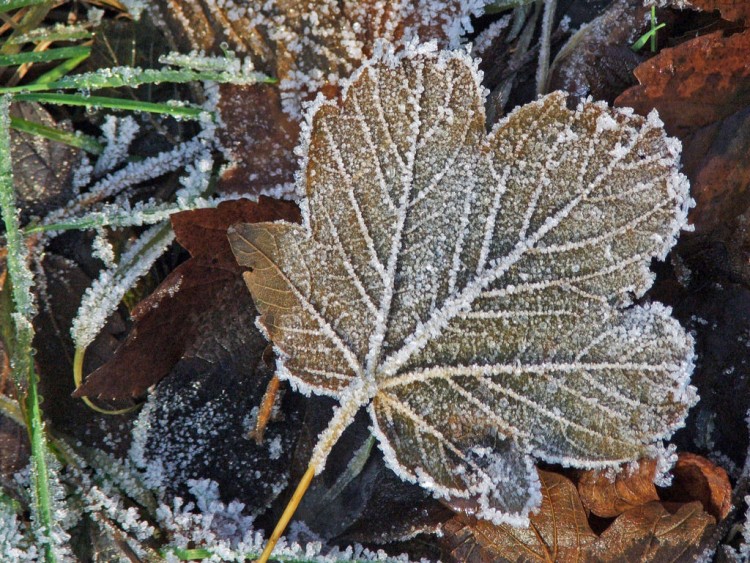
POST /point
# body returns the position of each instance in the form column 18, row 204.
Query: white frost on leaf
column 322, row 41
column 476, row 292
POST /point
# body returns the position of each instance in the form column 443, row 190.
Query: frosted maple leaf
column 475, row 291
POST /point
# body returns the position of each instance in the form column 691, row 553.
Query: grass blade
column 85, row 142
column 22, row 362
column 44, row 56
column 133, row 77
column 15, row 4
column 189, row 112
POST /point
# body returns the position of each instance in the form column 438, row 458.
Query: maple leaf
column 470, row 289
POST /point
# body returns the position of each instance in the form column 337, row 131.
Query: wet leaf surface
column 182, row 314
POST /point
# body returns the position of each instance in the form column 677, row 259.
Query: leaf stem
column 291, row 507
column 78, row 379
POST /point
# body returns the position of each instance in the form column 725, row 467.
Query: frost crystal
column 320, row 41
column 476, row 291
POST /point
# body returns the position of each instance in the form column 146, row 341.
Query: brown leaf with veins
column 608, row 498
column 182, row 309
column 696, row 478
column 700, row 89
column 308, row 45
column 654, row 533
column 559, row 531
column 694, row 84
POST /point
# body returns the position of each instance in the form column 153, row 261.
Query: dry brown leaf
column 694, row 84
column 732, row 10
column 559, row 531
column 700, row 90
column 597, row 60
column 608, row 498
column 654, row 534
column 696, row 478
column 259, row 137
column 183, row 307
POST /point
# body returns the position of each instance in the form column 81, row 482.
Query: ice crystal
column 471, row 289
column 320, row 41
column 118, row 134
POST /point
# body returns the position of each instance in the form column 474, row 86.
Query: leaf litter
column 707, row 432
column 440, row 272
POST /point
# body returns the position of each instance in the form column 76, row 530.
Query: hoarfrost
column 105, row 294
column 476, row 291
column 324, row 40
column 14, row 543
column 117, row 134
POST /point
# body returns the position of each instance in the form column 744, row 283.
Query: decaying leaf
column 700, row 90
column 469, row 288
column 695, row 83
column 696, row 478
column 559, row 531
column 611, row 496
column 308, row 43
column 259, row 139
column 733, row 10
column 653, row 533
column 188, row 301
column 597, row 60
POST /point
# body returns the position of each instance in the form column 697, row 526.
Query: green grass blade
column 9, row 5
column 61, row 70
column 85, row 142
column 133, row 77
column 188, row 112
column 44, row 56
column 55, row 33
column 650, row 34
column 22, row 361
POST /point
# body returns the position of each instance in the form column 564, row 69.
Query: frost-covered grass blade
column 475, row 292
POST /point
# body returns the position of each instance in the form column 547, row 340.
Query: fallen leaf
column 186, row 307
column 559, row 531
column 716, row 162
column 42, row 168
column 700, row 90
column 652, row 533
column 440, row 273
column 608, row 497
column 696, row 478
column 597, row 60
column 732, row 10
column 309, row 43
column 259, row 138
column 694, row 84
